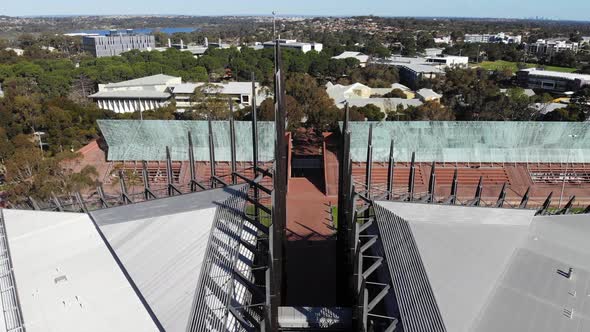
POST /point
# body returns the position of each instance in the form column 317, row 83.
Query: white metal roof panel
column 66, row 278
column 465, row 250
column 162, row 244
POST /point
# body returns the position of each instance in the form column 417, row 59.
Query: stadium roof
column 147, row 140
column 162, row 245
column 66, row 278
column 180, row 263
column 484, row 141
column 487, row 269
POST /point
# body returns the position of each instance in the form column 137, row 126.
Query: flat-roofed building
column 448, row 61
column 362, row 58
column 141, row 94
column 239, row 92
column 412, row 74
column 116, row 43
column 491, row 38
column 553, row 81
column 294, row 44
column 550, row 47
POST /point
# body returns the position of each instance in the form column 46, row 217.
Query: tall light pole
column 565, row 174
column 274, row 27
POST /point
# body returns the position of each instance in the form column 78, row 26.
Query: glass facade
column 147, row 140
column 482, row 141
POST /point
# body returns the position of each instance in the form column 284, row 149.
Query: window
column 245, row 99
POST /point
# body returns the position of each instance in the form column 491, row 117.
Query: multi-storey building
column 141, row 94
column 553, row 81
column 489, row 38
column 117, row 42
column 294, row 44
column 549, row 47
column 239, row 92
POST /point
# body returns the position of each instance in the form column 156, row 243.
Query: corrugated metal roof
column 162, row 245
column 413, row 291
column 67, row 279
column 139, row 94
column 477, row 141
column 502, row 269
column 158, row 79
column 533, row 295
column 228, row 88
column 461, row 270
column 147, row 140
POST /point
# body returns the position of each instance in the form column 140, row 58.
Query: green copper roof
column 147, row 139
column 453, row 141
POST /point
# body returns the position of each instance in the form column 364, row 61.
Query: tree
column 432, row 111
column 395, row 93
column 318, row 107
column 295, row 113
column 208, row 102
column 370, row 112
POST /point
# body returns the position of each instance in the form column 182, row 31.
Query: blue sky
column 568, row 9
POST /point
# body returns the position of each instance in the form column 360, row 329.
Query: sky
column 563, row 10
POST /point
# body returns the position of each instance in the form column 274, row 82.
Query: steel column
column 390, row 172
column 502, row 196
column 369, row 164
column 478, row 192
column 211, row 153
column 232, row 142
column 545, row 206
column 255, row 146
column 525, row 199
column 432, row 183
column 411, row 178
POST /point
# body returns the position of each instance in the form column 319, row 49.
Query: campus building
column 295, row 45
column 360, row 95
column 239, row 92
column 117, row 42
column 489, row 38
column 550, row 47
column 141, row 94
column 412, row 74
column 552, row 81
column 152, row 92
column 362, row 58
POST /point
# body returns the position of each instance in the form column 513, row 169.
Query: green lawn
column 499, row 65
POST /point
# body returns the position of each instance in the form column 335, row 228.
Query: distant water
column 168, row 31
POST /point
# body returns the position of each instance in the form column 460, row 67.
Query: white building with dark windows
column 294, row 44
column 448, row 61
column 239, row 92
column 549, row 47
column 116, row 43
column 491, row 38
column 141, row 94
column 553, row 81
